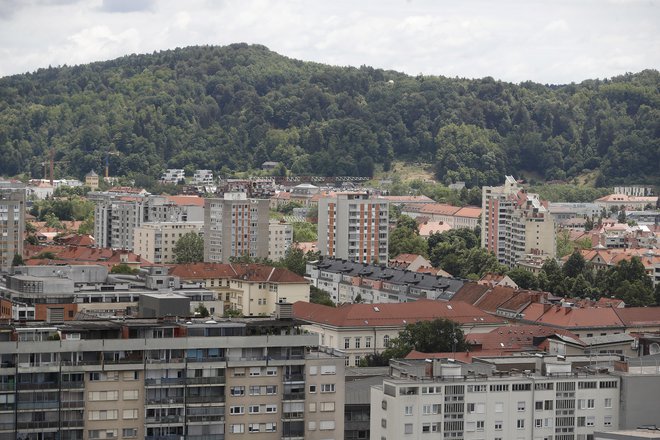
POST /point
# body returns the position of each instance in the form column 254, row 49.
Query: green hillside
column 232, row 108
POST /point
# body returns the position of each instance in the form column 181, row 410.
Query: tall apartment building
column 354, row 227
column 155, row 242
column 167, row 380
column 235, row 226
column 12, row 224
column 117, row 214
column 280, row 238
column 440, row 400
column 515, row 223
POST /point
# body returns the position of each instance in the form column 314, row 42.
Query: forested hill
column 234, row 107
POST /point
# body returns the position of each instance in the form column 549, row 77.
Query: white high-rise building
column 354, row 226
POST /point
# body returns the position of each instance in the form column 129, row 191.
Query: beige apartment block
column 280, row 238
column 12, row 225
column 155, row 241
column 354, row 227
column 235, row 226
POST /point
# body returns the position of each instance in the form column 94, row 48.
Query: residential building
column 363, row 329
column 601, row 259
column 515, row 223
column 203, row 177
column 251, row 289
column 118, row 212
column 410, row 262
column 448, row 215
column 649, row 433
column 346, row 281
column 173, row 176
column 546, row 398
column 156, row 241
column 565, row 211
column 235, row 226
column 354, row 226
column 280, row 238
column 12, row 224
column 162, row 379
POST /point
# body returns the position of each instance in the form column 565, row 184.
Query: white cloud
column 515, row 40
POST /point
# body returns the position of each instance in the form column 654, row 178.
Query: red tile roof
column 470, row 293
column 247, row 272
column 514, row 337
column 186, row 200
column 391, row 314
column 568, row 317
column 439, row 209
column 468, row 211
column 639, row 316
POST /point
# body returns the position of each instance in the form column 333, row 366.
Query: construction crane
column 109, row 153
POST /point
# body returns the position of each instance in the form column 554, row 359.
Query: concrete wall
column 637, row 391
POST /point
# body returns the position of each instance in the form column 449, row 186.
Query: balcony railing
column 38, row 425
column 164, row 381
column 165, row 400
column 205, row 399
column 206, row 380
column 294, row 396
column 206, row 418
column 164, row 419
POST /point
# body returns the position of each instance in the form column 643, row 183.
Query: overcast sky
column 548, row 41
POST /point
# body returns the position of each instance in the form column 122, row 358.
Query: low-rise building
column 173, row 176
column 203, row 177
column 363, row 329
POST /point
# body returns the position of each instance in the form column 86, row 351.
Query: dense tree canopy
column 189, row 248
column 439, row 335
column 232, row 108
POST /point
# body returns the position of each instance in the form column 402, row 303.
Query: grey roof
column 607, row 339
column 448, row 286
column 358, row 392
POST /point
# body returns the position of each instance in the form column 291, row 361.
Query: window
column 271, row 371
column 130, row 394
column 499, row 407
column 327, row 406
column 347, row 342
column 367, row 342
column 480, row 425
column 608, row 402
column 236, row 410
column 313, row 370
column 521, row 406
column 255, row 371
column 609, row 384
column 548, row 404
column 591, row 421
column 311, row 426
column 129, row 432
column 408, row 410
column 538, row 405
column 607, row 421
column 358, row 342
column 408, row 428
column 271, row 408
column 426, row 428
column 538, row 423
column 383, row 423
column 96, row 396
column 253, row 409
column 326, row 425
column 498, row 425
column 237, row 428
column 253, row 427
column 476, row 388
column 386, row 341
column 312, row 388
column 499, row 387
column 238, row 391
column 130, row 414
column 581, row 421
column 520, row 424
column 328, row 369
column 591, row 403
column 431, row 409
column 110, row 414
column 328, row 388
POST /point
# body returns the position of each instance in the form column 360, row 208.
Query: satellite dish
column 654, row 348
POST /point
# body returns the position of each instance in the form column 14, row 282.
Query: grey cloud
column 123, row 6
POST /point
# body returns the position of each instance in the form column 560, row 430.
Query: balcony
column 51, row 404
column 53, row 424
column 296, row 377
column 165, row 420
column 294, row 396
column 164, row 381
column 293, row 415
column 206, row 418
column 164, row 437
column 206, row 380
column 165, row 400
column 206, row 437
column 21, row 386
column 68, row 385
column 73, row 404
column 72, row 424
column 205, row 399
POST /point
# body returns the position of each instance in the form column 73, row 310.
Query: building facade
column 280, row 238
column 155, row 242
column 440, row 400
column 354, row 226
column 515, row 223
column 166, row 380
column 235, row 226
column 12, row 225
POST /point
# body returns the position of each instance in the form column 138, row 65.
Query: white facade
column 511, row 406
column 173, row 176
column 203, row 177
